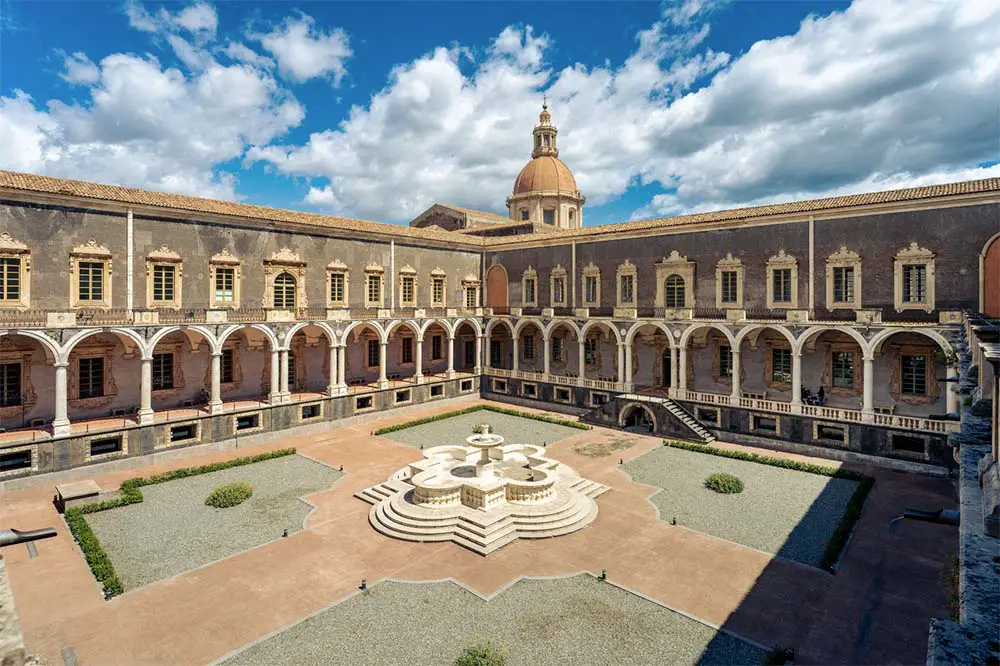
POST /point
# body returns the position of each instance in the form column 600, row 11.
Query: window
column 12, row 461
column 558, row 349
column 590, row 290
column 408, row 289
column 627, row 288
column 10, row 279
column 225, row 282
column 781, row 287
column 843, row 284
column 590, row 351
column 725, row 361
column 292, row 370
column 558, row 290
column 781, row 365
column 437, row 291
column 163, row 372
column 407, row 350
column 908, row 443
column 830, row 433
column 90, row 276
column 529, row 291
column 337, row 288
column 284, row 292
column 227, row 366
column 524, row 214
column 91, row 377
column 373, row 290
column 842, row 369
column 496, row 353
column 163, row 283
column 914, row 375
column 914, row 283
column 549, row 216
column 471, row 297
column 91, row 283
column 764, row 423
column 436, row 348
column 10, row 384
column 248, row 421
column 729, row 284
column 674, row 291
column 105, row 446
column 529, row 348
column 572, row 215
column 373, row 353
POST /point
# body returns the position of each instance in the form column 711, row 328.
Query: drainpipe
column 392, row 274
column 812, row 265
column 130, row 251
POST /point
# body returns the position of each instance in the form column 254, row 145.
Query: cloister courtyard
column 666, row 573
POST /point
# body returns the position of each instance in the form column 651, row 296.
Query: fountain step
column 407, row 520
column 591, row 489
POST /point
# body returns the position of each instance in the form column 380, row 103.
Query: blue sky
column 379, row 109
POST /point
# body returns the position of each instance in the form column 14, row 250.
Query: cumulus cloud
column 304, row 51
column 79, row 69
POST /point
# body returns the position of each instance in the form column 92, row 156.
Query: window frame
column 285, row 261
column 439, row 277
column 374, row 278
column 407, row 279
column 557, row 287
column 157, row 262
column 626, row 274
column 728, row 266
column 336, row 271
column 14, row 250
column 224, row 261
column 591, row 272
column 843, row 258
column 529, row 277
column 90, row 252
column 783, row 262
column 913, row 256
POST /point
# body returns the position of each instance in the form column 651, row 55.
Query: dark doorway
column 666, row 368
column 637, row 419
column 470, row 353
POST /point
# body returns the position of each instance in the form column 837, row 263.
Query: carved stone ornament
column 591, row 269
column 224, row 257
column 676, row 257
column 337, row 264
column 727, row 262
column 374, row 268
column 782, row 259
column 163, row 254
column 285, row 256
column 530, row 272
column 408, row 269
column 11, row 246
column 438, row 272
column 914, row 252
column 470, row 279
column 843, row 255
column 91, row 249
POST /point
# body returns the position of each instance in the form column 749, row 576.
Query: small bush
column 483, row 654
column 231, row 494
column 726, row 484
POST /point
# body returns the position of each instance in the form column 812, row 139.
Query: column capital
column 60, row 364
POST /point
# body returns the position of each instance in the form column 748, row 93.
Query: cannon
column 14, row 537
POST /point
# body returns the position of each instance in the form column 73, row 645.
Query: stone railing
column 562, row 380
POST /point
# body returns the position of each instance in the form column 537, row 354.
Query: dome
column 545, row 173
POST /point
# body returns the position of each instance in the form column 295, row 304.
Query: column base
column 796, row 408
column 60, row 428
column 450, row 374
column 734, row 400
column 146, row 417
column 419, row 379
column 274, row 398
column 867, row 417
column 383, row 384
column 215, row 407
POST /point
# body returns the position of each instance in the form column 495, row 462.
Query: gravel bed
column 454, row 430
column 782, row 511
column 576, row 620
column 172, row 531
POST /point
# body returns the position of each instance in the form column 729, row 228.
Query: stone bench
column 77, row 492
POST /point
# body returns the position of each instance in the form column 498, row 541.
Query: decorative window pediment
column 438, row 272
column 529, row 287
column 90, row 275
column 15, row 271
column 591, row 285
column 843, row 280
column 225, row 257
column 284, row 264
column 782, row 281
column 408, row 269
column 627, row 278
column 374, row 268
column 470, row 280
column 337, row 281
column 675, row 264
column 164, row 254
column 225, row 272
column 557, row 286
column 408, row 286
column 729, row 282
column 91, row 249
column 913, row 279
column 284, row 257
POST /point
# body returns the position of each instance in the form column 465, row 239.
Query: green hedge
column 854, row 505
column 723, row 483
column 129, row 493
column 482, row 408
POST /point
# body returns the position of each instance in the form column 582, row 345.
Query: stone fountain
column 482, row 496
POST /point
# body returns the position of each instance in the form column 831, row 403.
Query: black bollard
column 364, row 585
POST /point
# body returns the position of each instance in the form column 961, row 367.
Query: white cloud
column 304, row 51
column 243, row 53
column 79, row 69
column 199, row 20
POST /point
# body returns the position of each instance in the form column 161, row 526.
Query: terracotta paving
column 875, row 610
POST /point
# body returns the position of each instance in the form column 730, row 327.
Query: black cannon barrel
column 14, row 537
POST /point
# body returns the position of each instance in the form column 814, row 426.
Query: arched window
column 674, row 291
column 284, row 292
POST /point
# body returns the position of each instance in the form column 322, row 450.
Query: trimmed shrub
column 726, row 484
column 231, row 494
column 483, row 654
column 483, row 408
column 855, row 505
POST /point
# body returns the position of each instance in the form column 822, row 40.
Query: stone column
column 735, row 396
column 451, row 357
column 620, row 368
column 342, row 368
column 513, row 365
column 546, row 354
column 383, row 380
column 419, row 358
column 60, row 424
column 479, row 354
column 868, row 397
column 284, row 395
column 215, row 402
column 581, row 349
column 673, row 371
column 274, row 396
column 951, row 397
column 331, row 387
column 682, row 369
column 146, row 392
column 796, row 382
column 628, row 366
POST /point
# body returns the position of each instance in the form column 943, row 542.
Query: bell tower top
column 544, row 134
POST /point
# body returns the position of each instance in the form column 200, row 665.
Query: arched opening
column 709, row 362
column 600, row 353
column 766, row 359
column 363, row 356
column 245, row 366
column 673, row 290
column 530, row 347
column 651, row 359
column 284, row 291
column 991, row 279
column 465, row 347
column 181, row 371
column 910, row 372
column 833, row 371
column 638, row 419
column 501, row 346
column 401, row 352
column 496, row 289
column 435, row 350
column 564, row 351
column 104, row 377
column 27, row 377
column 309, row 361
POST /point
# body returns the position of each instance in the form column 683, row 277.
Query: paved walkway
column 876, row 610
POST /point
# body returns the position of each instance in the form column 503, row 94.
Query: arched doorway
column 991, row 278
column 496, row 289
column 637, row 418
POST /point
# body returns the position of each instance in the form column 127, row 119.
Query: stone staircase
column 671, row 418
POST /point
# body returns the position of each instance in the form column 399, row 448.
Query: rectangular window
column 914, row 283
column 373, row 353
column 549, row 216
column 524, row 214
column 291, row 371
column 842, row 368
column 725, row 361
column 225, row 281
column 181, row 433
column 336, row 287
column 728, row 287
column 781, row 365
column 163, row 372
column 163, row 283
column 10, row 279
column 227, row 367
column 908, row 443
column 496, row 353
column 91, row 280
column 782, row 292
column 558, row 349
column 11, row 462
column 764, row 423
column 590, row 351
column 914, row 375
column 106, row 445
column 374, row 287
column 471, row 297
column 10, row 384
column 247, row 421
column 590, row 290
column 529, row 290
column 529, row 348
column 558, row 290
column 408, row 290
column 437, row 291
column 830, row 433
column 407, row 350
column 843, row 284
column 363, row 402
column 627, row 288
column 311, row 412
column 91, row 377
column 436, row 348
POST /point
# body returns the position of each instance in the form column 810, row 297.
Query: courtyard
column 690, row 593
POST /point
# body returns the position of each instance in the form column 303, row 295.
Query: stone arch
column 409, row 323
column 606, row 324
column 371, row 323
column 202, row 332
column 476, row 326
column 443, row 323
column 495, row 322
column 268, row 333
column 846, row 330
column 524, row 323
column 629, row 408
column 745, row 332
column 328, row 331
column 555, row 323
column 637, row 326
column 496, row 287
column 885, row 334
column 125, row 335
column 689, row 331
column 52, row 351
column 989, row 278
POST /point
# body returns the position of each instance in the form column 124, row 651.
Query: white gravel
column 172, row 531
column 782, row 511
column 577, row 620
column 454, row 430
